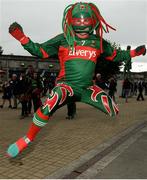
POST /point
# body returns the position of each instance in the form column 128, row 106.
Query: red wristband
column 133, row 53
column 24, row 40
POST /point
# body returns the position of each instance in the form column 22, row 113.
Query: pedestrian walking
column 140, row 90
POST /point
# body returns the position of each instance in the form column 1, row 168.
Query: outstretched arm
column 43, row 50
column 116, row 55
column 17, row 32
column 140, row 50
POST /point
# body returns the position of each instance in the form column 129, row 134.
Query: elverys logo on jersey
column 83, row 52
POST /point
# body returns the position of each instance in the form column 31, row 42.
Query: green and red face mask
column 83, row 18
column 82, row 24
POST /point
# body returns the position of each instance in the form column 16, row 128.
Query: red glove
column 17, row 32
column 140, row 50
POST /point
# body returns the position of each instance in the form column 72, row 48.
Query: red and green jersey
column 77, row 65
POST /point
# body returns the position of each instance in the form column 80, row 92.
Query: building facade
column 15, row 64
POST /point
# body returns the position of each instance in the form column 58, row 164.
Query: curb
column 78, row 166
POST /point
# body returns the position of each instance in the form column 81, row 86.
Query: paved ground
column 62, row 141
column 124, row 161
column 130, row 164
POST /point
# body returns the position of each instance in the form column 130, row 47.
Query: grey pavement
column 131, row 164
column 127, row 161
column 64, row 145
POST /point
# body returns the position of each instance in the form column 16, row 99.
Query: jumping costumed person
column 78, row 48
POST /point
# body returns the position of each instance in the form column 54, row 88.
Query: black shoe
column 10, row 106
column 70, row 117
column 14, row 107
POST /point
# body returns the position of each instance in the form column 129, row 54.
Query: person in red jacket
column 79, row 47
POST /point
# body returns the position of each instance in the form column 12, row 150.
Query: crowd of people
column 130, row 88
column 27, row 89
column 136, row 88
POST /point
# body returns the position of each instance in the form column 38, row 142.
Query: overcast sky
column 41, row 20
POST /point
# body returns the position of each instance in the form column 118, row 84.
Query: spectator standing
column 112, row 88
column 135, row 88
column 23, row 94
column 52, row 79
column 145, row 88
column 29, row 75
column 126, row 89
column 7, row 94
column 71, row 110
column 30, row 70
column 36, row 91
column 140, row 90
column 13, row 84
column 45, row 81
column 100, row 82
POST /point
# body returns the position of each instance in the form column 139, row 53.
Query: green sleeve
column 46, row 49
column 115, row 55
